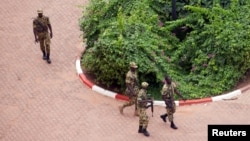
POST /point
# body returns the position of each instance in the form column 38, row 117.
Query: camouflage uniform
column 142, row 107
column 131, row 80
column 40, row 26
column 167, row 92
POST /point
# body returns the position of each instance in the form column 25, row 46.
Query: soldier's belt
column 44, row 31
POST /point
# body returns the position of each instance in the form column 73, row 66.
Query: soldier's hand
column 134, row 94
column 36, row 40
column 51, row 35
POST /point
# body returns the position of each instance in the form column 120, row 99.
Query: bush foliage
column 204, row 46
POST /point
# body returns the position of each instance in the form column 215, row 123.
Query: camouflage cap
column 39, row 11
column 144, row 84
column 133, row 65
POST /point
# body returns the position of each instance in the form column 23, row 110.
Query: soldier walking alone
column 167, row 92
column 41, row 25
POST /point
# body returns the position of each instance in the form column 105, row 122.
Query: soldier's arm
column 129, row 82
column 34, row 31
column 130, row 88
column 179, row 94
column 50, row 28
column 163, row 92
column 136, row 82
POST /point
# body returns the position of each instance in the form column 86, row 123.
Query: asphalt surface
column 48, row 102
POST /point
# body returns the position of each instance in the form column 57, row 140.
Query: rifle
column 168, row 97
column 151, row 101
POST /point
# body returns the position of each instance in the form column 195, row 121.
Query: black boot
column 44, row 55
column 48, row 59
column 140, row 129
column 173, row 125
column 164, row 117
column 145, row 132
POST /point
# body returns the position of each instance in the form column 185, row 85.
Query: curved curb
column 94, row 87
column 118, row 96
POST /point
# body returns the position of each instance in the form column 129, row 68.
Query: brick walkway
column 48, row 102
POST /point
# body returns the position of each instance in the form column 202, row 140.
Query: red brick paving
column 48, row 102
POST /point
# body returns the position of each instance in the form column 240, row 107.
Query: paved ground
column 42, row 102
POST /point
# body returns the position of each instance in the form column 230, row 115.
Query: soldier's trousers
column 143, row 118
column 131, row 102
column 170, row 112
column 44, row 40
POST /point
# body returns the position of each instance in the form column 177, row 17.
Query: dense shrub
column 205, row 48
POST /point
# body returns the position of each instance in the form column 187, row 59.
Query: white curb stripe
column 226, row 96
column 98, row 89
column 162, row 103
column 78, row 66
column 177, row 103
column 156, row 102
column 103, row 91
column 159, row 103
column 110, row 93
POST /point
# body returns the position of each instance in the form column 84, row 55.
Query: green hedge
column 205, row 50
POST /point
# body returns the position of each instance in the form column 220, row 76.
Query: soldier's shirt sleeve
column 164, row 89
column 34, row 25
column 139, row 97
column 48, row 21
column 174, row 86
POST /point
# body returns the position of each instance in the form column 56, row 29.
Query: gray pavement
column 48, row 102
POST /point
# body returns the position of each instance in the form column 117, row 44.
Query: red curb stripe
column 245, row 89
column 180, row 103
column 86, row 81
column 196, row 101
column 121, row 97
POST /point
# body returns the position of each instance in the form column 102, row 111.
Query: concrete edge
column 118, row 96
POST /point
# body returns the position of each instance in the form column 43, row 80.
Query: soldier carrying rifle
column 168, row 91
column 142, row 102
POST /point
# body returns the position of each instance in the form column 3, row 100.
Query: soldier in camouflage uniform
column 142, row 101
column 132, row 88
column 41, row 25
column 167, row 92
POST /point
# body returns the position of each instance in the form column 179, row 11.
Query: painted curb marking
column 118, row 96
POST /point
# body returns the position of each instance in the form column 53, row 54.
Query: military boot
column 48, row 59
column 121, row 109
column 145, row 132
column 44, row 55
column 173, row 125
column 164, row 117
column 140, row 129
